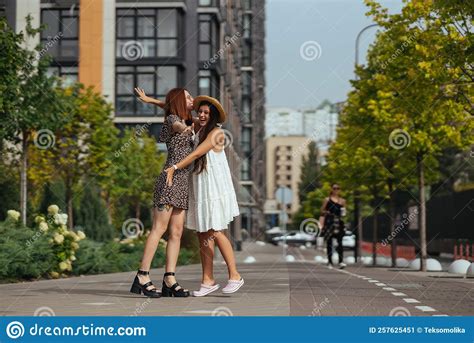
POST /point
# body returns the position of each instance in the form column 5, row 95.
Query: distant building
column 284, row 156
column 318, row 124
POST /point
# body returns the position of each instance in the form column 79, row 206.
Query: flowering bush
column 64, row 242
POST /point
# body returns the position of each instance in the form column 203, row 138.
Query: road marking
column 366, row 278
column 439, row 315
column 399, row 294
column 380, row 284
column 425, row 308
column 97, row 304
column 389, row 289
column 411, row 301
column 372, row 281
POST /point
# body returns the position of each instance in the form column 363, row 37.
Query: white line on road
column 425, row 308
column 411, row 301
column 389, row 289
column 380, row 284
column 372, row 281
column 399, row 294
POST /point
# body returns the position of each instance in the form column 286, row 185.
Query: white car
column 295, row 237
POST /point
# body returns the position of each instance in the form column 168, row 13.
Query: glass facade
column 59, row 39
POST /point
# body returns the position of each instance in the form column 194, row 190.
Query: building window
column 156, row 81
column 246, row 54
column 59, row 39
column 245, row 169
column 246, row 24
column 246, row 140
column 60, row 36
column 146, row 33
column 208, row 37
column 205, row 3
column 67, row 74
column 208, row 83
column 153, row 129
column 247, row 5
column 246, row 83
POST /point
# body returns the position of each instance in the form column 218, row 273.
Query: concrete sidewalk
column 273, row 287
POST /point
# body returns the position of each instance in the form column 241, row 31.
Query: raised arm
column 147, row 99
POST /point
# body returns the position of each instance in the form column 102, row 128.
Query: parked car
column 295, row 237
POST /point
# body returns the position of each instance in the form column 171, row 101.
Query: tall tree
column 31, row 105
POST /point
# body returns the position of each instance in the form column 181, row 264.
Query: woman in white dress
column 212, row 201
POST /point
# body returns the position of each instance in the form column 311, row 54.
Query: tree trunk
column 391, row 211
column 137, row 210
column 358, row 224
column 70, row 219
column 422, row 215
column 23, row 176
column 374, row 237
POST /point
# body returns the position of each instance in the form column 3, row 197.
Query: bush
column 25, row 253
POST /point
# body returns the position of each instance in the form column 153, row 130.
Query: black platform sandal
column 138, row 288
column 172, row 291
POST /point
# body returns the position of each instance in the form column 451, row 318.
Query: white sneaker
column 342, row 265
column 205, row 290
column 233, row 286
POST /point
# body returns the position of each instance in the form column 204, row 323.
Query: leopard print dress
column 179, row 146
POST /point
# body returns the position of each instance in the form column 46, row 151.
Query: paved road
column 273, row 287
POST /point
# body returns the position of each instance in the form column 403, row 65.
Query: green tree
column 310, row 172
column 136, row 164
column 428, row 93
column 31, row 104
column 83, row 147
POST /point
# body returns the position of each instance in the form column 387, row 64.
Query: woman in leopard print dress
column 169, row 202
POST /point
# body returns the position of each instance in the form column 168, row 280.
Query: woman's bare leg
column 174, row 243
column 161, row 218
column 206, row 250
column 227, row 252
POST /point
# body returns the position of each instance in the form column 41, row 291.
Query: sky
column 310, row 49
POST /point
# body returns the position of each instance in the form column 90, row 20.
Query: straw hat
column 213, row 101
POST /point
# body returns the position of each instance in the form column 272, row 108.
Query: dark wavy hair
column 201, row 163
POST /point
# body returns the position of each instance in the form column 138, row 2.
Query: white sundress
column 212, row 198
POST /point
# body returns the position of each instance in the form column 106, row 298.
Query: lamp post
column 358, row 40
column 357, row 216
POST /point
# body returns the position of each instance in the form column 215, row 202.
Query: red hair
column 175, row 103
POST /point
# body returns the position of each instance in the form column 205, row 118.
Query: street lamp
column 357, row 42
column 357, row 216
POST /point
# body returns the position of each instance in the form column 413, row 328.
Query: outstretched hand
column 142, row 96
